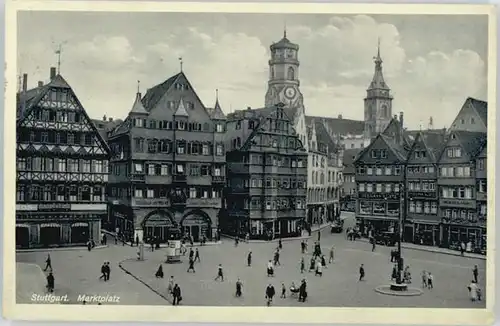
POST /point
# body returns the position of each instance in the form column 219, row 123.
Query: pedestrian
column 283, row 291
column 323, row 261
column 116, row 238
column 303, row 291
column 170, row 287
column 191, row 265
column 50, row 282
column 424, row 279
column 407, row 275
column 103, row 271
column 270, row 292
column 236, row 240
column 319, row 270
column 280, row 244
column 191, row 253
column 430, row 281
column 104, row 239
column 305, row 246
column 159, row 272
column 270, row 269
column 137, row 240
column 220, row 274
column 197, row 255
column 183, row 248
column 372, row 240
column 394, row 274
column 361, row 272
column 462, row 248
column 249, row 258
column 277, row 258
column 48, row 263
column 191, row 241
column 302, row 265
column 108, row 271
column 473, row 291
column 89, row 245
column 176, row 293
column 330, row 260
column 475, row 273
column 302, row 246
column 312, row 264
column 152, row 242
column 239, row 286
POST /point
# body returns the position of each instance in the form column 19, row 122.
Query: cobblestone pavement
column 338, row 287
column 77, row 272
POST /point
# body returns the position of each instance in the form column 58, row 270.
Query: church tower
column 283, row 85
column 378, row 103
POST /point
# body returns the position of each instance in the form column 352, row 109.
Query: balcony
column 203, row 202
column 159, row 179
column 218, row 179
column 179, row 178
column 199, row 180
column 137, row 178
column 150, row 202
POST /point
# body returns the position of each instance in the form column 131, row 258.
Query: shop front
column 197, row 226
column 22, row 236
column 426, row 234
column 159, row 225
column 80, row 233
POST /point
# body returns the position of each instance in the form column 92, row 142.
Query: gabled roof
column 216, row 113
column 341, row 126
column 322, row 136
column 481, row 108
column 181, row 110
column 472, row 142
column 153, row 95
column 433, row 142
column 25, row 99
column 350, row 155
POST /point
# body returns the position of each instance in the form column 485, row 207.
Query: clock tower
column 283, row 85
column 378, row 103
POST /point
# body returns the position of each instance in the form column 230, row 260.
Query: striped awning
column 79, row 224
column 50, row 225
column 22, row 226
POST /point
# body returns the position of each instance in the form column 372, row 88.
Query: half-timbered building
column 267, row 175
column 62, row 168
column 168, row 165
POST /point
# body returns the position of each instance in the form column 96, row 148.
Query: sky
column 432, row 63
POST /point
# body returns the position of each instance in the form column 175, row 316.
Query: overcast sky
column 432, row 63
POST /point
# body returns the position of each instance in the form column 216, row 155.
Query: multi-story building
column 481, row 193
column 324, row 175
column 348, row 192
column 457, row 189
column 267, row 175
column 380, row 179
column 62, row 168
column 168, row 165
column 421, row 188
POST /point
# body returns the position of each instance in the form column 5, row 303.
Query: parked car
column 337, row 226
column 386, row 238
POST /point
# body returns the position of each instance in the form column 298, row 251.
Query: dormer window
column 138, row 122
column 190, row 105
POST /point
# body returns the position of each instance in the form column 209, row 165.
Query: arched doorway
column 197, row 224
column 22, row 235
column 159, row 225
column 80, row 232
column 50, row 234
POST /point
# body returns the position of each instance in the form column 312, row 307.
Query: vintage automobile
column 337, row 226
column 386, row 238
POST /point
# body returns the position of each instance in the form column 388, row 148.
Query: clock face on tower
column 290, row 93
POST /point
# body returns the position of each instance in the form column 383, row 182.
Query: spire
column 181, row 110
column 284, row 30
column 180, row 62
column 217, row 113
column 378, row 77
column 138, row 107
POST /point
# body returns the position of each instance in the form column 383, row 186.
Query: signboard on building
column 458, row 203
column 422, row 194
column 378, row 196
column 54, row 207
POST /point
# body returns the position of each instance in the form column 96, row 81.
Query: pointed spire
column 378, row 77
column 138, row 86
column 181, row 110
column 180, row 62
column 138, row 107
column 217, row 112
column 284, row 30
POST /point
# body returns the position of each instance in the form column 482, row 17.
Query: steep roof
column 340, row 126
column 216, row 113
column 284, row 43
column 434, row 141
column 25, row 99
column 481, row 108
column 472, row 142
column 154, row 95
column 350, row 155
column 322, row 136
column 137, row 107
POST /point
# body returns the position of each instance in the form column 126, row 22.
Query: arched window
column 322, row 178
column 385, row 111
column 291, row 73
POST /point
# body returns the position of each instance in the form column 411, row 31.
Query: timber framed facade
column 62, row 168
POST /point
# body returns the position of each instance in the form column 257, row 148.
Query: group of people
column 105, row 271
column 271, row 292
column 174, row 290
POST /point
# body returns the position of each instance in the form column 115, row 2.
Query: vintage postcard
column 216, row 162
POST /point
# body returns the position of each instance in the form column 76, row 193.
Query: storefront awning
column 22, row 226
column 50, row 225
column 79, row 224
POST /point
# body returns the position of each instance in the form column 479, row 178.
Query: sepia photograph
column 251, row 159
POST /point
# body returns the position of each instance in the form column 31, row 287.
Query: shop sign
column 158, row 220
column 88, row 207
column 26, row 207
column 54, row 207
column 151, row 202
column 194, row 220
column 459, row 203
column 378, row 196
column 422, row 194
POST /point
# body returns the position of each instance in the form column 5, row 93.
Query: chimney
column 249, row 108
column 104, row 118
column 401, row 119
column 40, row 83
column 52, row 72
column 340, row 116
column 25, row 82
column 110, row 119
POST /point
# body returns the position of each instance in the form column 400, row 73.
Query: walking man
column 475, row 273
column 249, row 258
column 283, row 291
column 361, row 272
column 302, row 246
column 50, row 282
column 220, row 274
column 270, row 292
column 277, row 258
column 331, row 256
column 239, row 286
column 108, row 271
column 191, row 265
column 137, row 240
column 103, row 272
column 197, row 255
column 176, row 293
column 462, row 248
column 302, row 265
column 430, row 281
column 48, row 263
column 191, row 253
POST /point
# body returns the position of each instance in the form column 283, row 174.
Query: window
column 219, row 127
column 427, row 207
column 205, row 150
column 396, row 187
column 138, row 167
column 151, row 193
column 369, row 187
column 217, row 172
column 61, row 165
column 205, row 170
column 181, row 147
column 164, row 170
column 482, row 186
column 180, row 169
column 431, row 169
column 388, row 187
column 460, row 171
column 369, row 171
column 397, row 170
column 378, row 171
column 412, row 207
column 481, row 164
column 192, row 192
column 434, row 208
column 361, row 187
column 442, row 172
column 379, row 187
column 383, row 153
column 151, row 169
column 418, row 207
column 219, row 150
column 466, row 171
column 138, row 193
column 388, row 170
